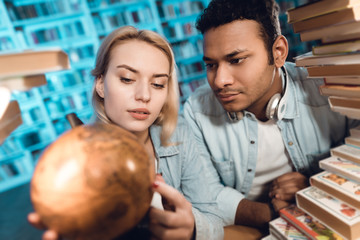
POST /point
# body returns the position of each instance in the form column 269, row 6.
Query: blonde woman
column 136, row 88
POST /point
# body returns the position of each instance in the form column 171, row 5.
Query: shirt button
column 252, row 141
column 290, row 143
column 242, row 192
column 248, row 115
column 249, row 170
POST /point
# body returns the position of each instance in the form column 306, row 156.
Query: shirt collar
column 162, row 151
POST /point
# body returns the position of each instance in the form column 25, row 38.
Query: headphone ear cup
column 272, row 106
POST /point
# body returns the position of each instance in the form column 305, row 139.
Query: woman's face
column 135, row 86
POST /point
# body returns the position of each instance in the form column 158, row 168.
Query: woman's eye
column 126, row 80
column 157, row 85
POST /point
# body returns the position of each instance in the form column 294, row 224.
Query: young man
column 264, row 124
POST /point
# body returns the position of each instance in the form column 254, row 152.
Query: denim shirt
column 184, row 167
column 308, row 127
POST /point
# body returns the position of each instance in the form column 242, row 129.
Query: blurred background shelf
column 78, row 27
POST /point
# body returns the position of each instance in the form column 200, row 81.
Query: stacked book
column 21, row 71
column 335, row 24
column 330, row 207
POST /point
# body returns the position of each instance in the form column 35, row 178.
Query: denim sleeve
column 228, row 198
column 207, row 227
column 201, row 186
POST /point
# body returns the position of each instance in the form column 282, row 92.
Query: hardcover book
column 308, row 59
column 345, row 15
column 318, row 8
column 342, row 167
column 330, row 31
column 343, row 80
column 281, row 229
column 348, row 152
column 334, row 213
column 342, row 188
column 350, row 91
column 355, row 132
column 23, row 83
column 10, row 120
column 33, row 62
column 346, row 106
column 355, row 141
column 350, row 70
column 340, row 38
column 342, row 47
column 309, row 226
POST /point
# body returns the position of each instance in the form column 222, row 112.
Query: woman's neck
column 144, row 138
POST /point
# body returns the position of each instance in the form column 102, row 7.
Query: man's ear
column 99, row 87
column 280, row 51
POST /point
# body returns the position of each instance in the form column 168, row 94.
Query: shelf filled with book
column 8, row 40
column 108, row 15
column 77, row 27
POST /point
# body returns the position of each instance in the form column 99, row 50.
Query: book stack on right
column 336, row 25
column 334, row 195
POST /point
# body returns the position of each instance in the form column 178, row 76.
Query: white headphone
column 275, row 107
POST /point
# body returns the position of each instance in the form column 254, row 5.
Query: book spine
column 337, row 186
column 298, row 224
column 334, row 213
column 348, row 152
column 343, row 167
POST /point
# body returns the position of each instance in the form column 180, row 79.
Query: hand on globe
column 93, row 182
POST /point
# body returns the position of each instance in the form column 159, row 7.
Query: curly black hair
column 265, row 12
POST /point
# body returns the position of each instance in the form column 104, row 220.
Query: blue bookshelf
column 78, row 27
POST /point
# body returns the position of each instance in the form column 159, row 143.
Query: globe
column 93, row 182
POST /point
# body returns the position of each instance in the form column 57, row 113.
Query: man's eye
column 209, row 65
column 236, row 60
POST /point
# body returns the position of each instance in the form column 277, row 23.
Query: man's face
column 237, row 66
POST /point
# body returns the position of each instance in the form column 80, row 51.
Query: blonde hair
column 169, row 113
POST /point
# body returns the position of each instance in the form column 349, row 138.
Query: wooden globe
column 93, row 182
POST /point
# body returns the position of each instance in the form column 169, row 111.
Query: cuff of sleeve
column 228, row 201
column 203, row 230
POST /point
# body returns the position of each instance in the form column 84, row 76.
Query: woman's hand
column 177, row 220
column 35, row 221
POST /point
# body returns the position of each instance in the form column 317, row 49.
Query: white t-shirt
column 273, row 160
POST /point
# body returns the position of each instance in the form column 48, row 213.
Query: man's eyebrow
column 229, row 55
column 234, row 53
column 128, row 68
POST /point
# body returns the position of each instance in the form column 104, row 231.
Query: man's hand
column 284, row 187
column 176, row 224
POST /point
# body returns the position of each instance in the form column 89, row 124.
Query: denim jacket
column 184, row 167
column 308, row 127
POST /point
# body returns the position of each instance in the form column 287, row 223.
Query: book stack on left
column 21, row 71
column 336, row 25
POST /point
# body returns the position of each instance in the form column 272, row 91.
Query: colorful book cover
column 308, row 225
column 334, row 213
column 342, row 167
column 338, row 186
column 281, row 229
